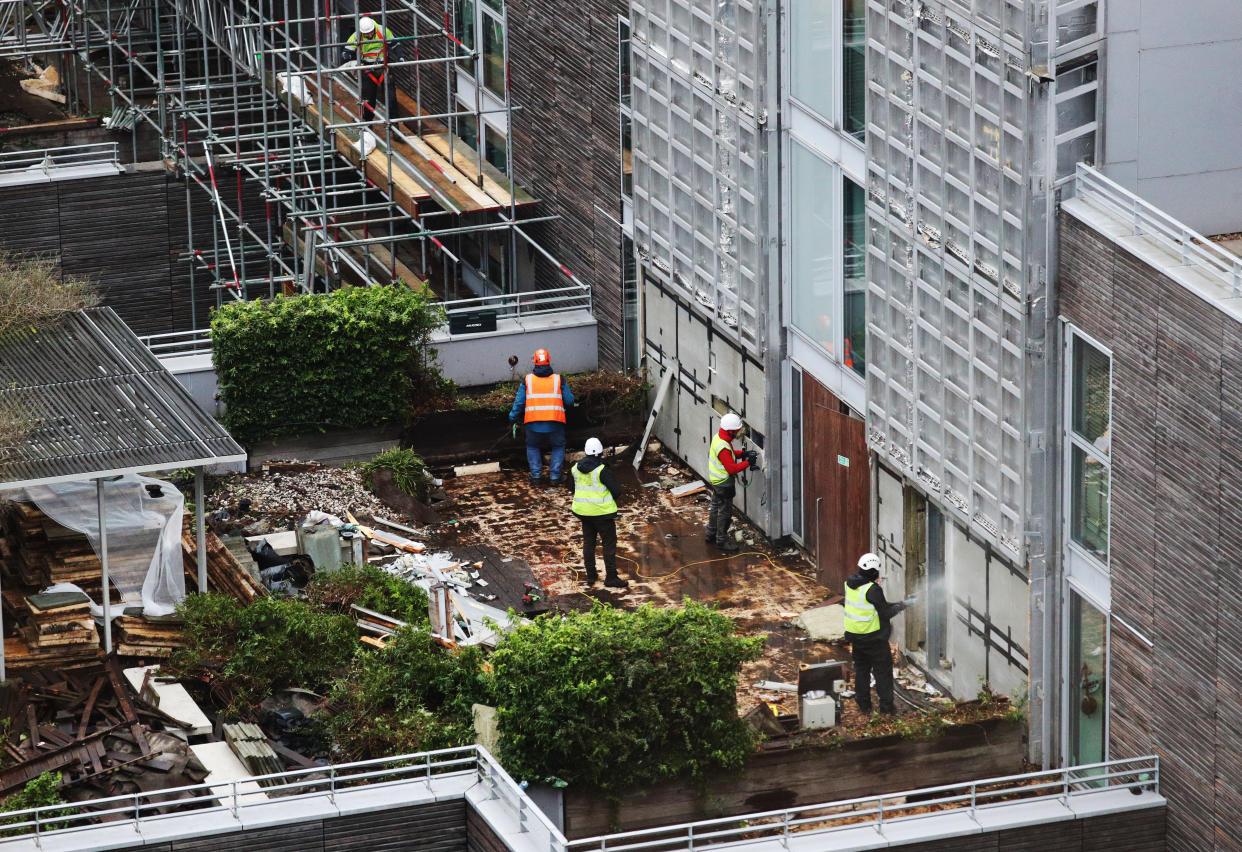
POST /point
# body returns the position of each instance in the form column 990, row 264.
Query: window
column 855, row 284
column 623, row 96
column 795, row 448
column 810, row 27
column 465, row 20
column 493, row 59
column 1088, row 435
column 475, row 19
column 1087, row 683
column 629, row 302
column 813, row 269
column 854, row 67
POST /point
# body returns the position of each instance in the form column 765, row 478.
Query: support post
column 101, row 503
column 200, row 529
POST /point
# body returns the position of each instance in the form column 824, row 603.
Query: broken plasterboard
column 689, row 488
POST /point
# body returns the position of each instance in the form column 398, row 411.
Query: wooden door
column 836, row 487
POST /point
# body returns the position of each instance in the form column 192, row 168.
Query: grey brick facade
column 1176, row 519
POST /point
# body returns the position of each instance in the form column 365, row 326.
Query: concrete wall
column 1171, row 107
column 480, row 359
column 710, row 368
column 1176, row 519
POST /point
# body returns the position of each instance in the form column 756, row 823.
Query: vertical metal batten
column 200, row 529
column 101, row 503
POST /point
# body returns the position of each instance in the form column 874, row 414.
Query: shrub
column 267, row 645
column 614, row 699
column 38, row 792
column 373, row 588
column 411, row 696
column 344, row 358
column 33, row 293
column 409, row 471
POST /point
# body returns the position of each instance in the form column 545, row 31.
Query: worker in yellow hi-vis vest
column 867, row 628
column 372, row 47
column 596, row 492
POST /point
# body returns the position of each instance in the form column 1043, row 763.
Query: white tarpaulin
column 144, row 533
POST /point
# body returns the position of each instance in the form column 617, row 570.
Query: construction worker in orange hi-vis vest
column 541, row 402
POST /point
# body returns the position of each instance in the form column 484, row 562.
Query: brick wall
column 1176, row 520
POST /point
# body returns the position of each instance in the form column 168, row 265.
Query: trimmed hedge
column 348, row 358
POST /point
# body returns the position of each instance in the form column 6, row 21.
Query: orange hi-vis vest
column 543, row 398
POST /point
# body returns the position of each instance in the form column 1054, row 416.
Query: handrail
column 524, row 303
column 1134, row 774
column 63, row 157
column 1145, row 219
column 178, row 343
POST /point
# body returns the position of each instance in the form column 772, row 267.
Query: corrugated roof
column 99, row 404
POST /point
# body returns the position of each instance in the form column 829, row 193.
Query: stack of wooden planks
column 153, row 638
column 54, row 628
column 39, row 552
column 224, row 573
column 95, row 731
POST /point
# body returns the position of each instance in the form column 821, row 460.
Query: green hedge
column 343, row 359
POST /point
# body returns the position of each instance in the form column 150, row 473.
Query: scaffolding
column 252, row 109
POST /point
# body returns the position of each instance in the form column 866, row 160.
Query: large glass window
column 1088, row 439
column 854, row 243
column 496, row 150
column 463, row 31
column 494, row 54
column 1087, row 687
column 811, row 36
column 629, row 302
column 813, row 268
column 854, row 67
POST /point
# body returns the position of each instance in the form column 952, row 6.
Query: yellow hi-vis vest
column 591, row 497
column 371, row 50
column 543, row 398
column 860, row 616
column 715, row 470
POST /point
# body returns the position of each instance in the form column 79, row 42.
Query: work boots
column 727, row 544
column 616, row 583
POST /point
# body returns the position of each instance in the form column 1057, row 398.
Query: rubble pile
column 292, row 489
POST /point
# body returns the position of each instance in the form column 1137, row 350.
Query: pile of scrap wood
column 93, row 729
column 224, row 573
column 55, row 628
column 38, row 552
column 154, row 638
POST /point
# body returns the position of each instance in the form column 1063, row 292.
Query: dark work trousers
column 872, row 656
column 721, row 514
column 374, row 79
column 605, row 527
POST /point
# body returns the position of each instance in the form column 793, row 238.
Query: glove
column 909, row 601
column 345, row 66
column 515, row 431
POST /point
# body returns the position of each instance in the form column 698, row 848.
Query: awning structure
column 99, row 404
column 95, row 404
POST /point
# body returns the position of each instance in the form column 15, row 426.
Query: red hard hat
column 542, row 357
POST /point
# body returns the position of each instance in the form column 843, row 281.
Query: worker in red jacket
column 723, row 465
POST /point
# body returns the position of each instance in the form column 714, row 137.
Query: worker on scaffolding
column 867, row 628
column 541, row 402
column 596, row 492
column 723, row 466
column 371, row 48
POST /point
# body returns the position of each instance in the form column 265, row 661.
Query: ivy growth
column 370, row 587
column 612, row 699
column 39, row 792
column 348, row 358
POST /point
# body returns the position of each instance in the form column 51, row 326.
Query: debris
column 250, row 744
column 777, row 686
column 824, row 623
column 224, row 573
column 689, row 488
column 396, row 526
column 472, row 469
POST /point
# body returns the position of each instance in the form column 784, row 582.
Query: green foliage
column 270, row 644
column 410, row 696
column 38, row 792
column 409, row 471
column 370, row 587
column 346, row 358
column 34, row 294
column 613, row 699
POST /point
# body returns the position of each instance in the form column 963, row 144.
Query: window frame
column 471, row 94
column 1081, row 562
column 836, row 79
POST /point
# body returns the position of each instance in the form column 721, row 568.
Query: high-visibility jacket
column 543, row 398
column 715, row 470
column 591, row 497
column 371, row 50
column 860, row 616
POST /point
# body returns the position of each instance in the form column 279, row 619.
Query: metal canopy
column 100, row 404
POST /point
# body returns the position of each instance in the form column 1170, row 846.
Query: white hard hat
column 594, row 447
column 366, row 25
column 869, row 562
column 730, row 422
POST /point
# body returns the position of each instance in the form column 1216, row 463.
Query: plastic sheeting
column 144, row 534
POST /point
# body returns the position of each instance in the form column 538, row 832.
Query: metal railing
column 47, row 159
column 1134, row 774
column 528, row 303
column 178, row 343
column 236, row 796
column 1150, row 221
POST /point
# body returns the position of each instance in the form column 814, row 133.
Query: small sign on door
column 843, row 461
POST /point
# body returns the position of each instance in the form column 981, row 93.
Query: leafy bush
column 346, row 358
column 267, row 645
column 38, row 792
column 409, row 471
column 373, row 588
column 613, row 699
column 33, row 293
column 411, row 696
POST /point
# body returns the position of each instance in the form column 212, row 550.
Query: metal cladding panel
column 698, row 71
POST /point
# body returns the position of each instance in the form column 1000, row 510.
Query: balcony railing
column 47, row 160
